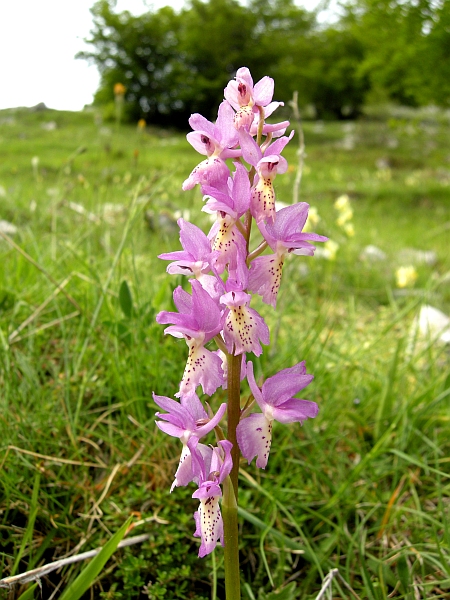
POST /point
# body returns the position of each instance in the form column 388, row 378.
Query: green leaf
column 403, row 572
column 123, row 333
column 88, row 575
column 30, row 525
column 125, row 299
column 29, row 593
column 292, row 544
column 285, row 593
column 160, row 295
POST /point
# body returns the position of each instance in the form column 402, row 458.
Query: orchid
column 243, row 370
column 216, row 141
column 284, row 236
column 198, row 321
column 244, row 329
column 230, row 205
column 185, row 420
column 254, row 433
column 195, row 258
column 267, row 165
column 246, row 98
column 216, row 319
column 274, row 129
column 210, row 473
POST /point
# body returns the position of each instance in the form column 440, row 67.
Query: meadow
column 364, row 488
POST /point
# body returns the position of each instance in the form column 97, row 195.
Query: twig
column 36, row 574
column 107, row 486
column 328, row 581
column 301, row 147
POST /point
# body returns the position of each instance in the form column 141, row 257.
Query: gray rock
column 372, row 253
column 412, row 256
column 431, row 325
column 8, row 228
column 38, row 107
column 49, row 126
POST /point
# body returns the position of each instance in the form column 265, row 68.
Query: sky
column 38, row 43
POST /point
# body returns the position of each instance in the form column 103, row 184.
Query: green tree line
column 176, row 63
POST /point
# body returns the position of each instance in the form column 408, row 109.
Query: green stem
column 260, row 125
column 259, row 250
column 230, row 485
column 234, row 413
column 231, row 539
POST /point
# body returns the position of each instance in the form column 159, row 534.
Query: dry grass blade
column 39, row 309
column 13, row 244
column 328, row 581
column 36, row 574
column 65, row 461
column 48, row 325
column 390, row 504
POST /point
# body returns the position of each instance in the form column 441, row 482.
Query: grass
column 363, row 488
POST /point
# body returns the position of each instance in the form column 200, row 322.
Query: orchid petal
column 203, row 143
column 208, row 525
column 295, row 410
column 202, row 368
column 272, row 107
column 254, row 387
column 193, row 240
column 206, row 311
column 169, row 428
column 278, row 146
column 195, row 408
column 263, row 91
column 203, row 430
column 265, row 277
column 228, row 135
column 251, row 152
column 284, row 384
column 199, row 123
column 254, row 437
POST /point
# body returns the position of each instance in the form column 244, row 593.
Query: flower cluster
column 215, row 318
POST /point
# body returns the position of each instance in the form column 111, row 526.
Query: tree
column 143, row 54
column 175, row 64
column 406, row 47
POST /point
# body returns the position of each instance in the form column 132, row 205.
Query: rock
column 162, row 221
column 8, row 228
column 431, row 325
column 38, row 107
column 412, row 256
column 49, row 126
column 372, row 253
column 112, row 212
column 383, row 163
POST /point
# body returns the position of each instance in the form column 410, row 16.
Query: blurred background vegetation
column 176, row 63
